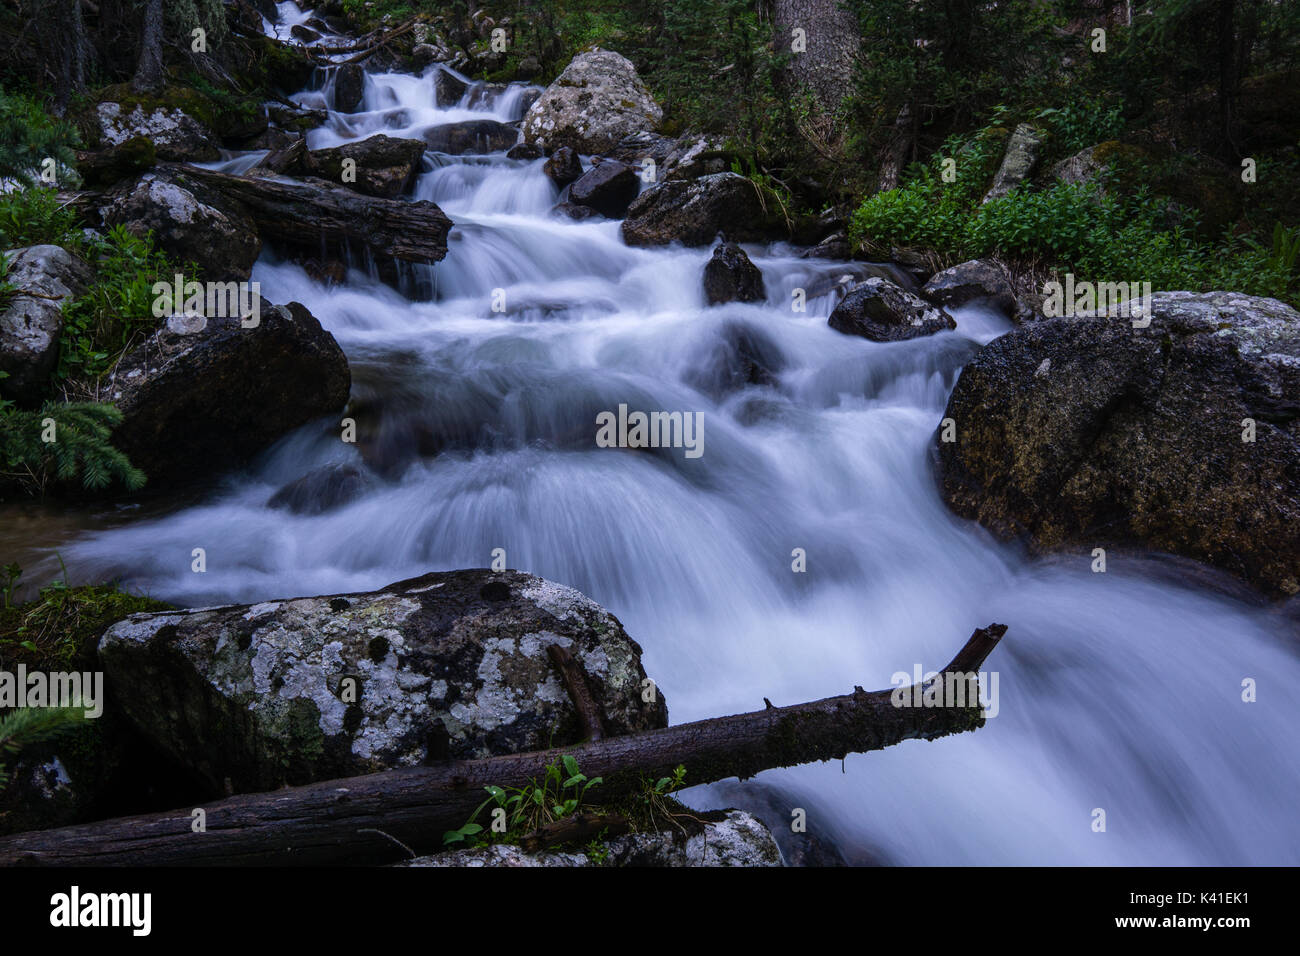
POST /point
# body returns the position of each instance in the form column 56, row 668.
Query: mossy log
column 355, row 820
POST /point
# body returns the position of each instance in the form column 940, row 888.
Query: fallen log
column 359, row 819
column 310, row 213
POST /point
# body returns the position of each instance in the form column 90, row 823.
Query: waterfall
column 1118, row 691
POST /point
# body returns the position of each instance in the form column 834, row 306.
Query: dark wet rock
column 736, row 839
column 321, row 490
column 738, row 355
column 471, row 136
column 594, row 103
column 349, row 88
column 188, row 219
column 608, row 187
column 695, row 155
column 834, row 246
column 528, row 68
column 974, row 281
column 563, row 166
column 524, row 151
column 448, row 665
column 385, row 166
column 202, row 394
column 128, row 159
column 300, row 31
column 694, row 212
column 879, row 310
column 483, row 95
column 45, row 279
column 1088, row 432
column 730, row 277
column 448, row 88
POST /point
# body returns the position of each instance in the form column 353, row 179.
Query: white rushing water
column 1119, row 691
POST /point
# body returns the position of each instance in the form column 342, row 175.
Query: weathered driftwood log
column 309, row 213
column 324, row 822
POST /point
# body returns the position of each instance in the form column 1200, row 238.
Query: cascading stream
column 1119, row 691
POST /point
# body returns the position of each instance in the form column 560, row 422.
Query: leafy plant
column 34, row 215
column 559, row 794
column 29, row 136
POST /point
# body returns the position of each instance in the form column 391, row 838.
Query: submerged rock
column 349, row 88
column 594, row 103
column 448, row 665
column 1182, row 437
column 323, row 489
column 45, row 278
column 731, row 277
column 202, row 394
column 878, row 310
column 738, row 839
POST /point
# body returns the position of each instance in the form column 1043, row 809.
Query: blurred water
column 1118, row 691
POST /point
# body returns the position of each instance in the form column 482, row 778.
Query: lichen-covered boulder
column 449, row 665
column 175, row 134
column 205, row 393
column 737, row 839
column 878, row 310
column 191, row 221
column 594, row 103
column 45, row 278
column 694, row 211
column 1181, row 437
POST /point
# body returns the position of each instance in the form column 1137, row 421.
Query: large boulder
column 201, row 393
column 881, row 311
column 449, row 665
column 385, row 165
column 103, row 167
column 471, row 136
column 44, row 278
column 731, row 277
column 976, row 281
column 594, row 103
column 191, row 221
column 693, row 212
column 608, row 187
column 1018, row 161
column 1090, row 431
column 737, row 839
column 174, row 133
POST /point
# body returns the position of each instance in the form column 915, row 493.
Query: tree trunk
column 826, row 67
column 149, row 69
column 334, row 821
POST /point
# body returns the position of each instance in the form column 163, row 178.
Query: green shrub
column 118, row 309
column 33, row 216
column 29, row 136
